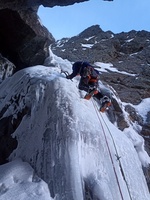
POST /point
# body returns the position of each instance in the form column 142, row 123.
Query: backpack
column 94, row 74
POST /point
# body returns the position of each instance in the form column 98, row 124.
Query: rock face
column 128, row 52
column 23, row 40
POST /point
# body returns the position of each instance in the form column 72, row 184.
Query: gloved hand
column 68, row 77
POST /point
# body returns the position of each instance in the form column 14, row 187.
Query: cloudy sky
column 117, row 16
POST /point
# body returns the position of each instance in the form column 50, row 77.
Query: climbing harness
column 111, row 158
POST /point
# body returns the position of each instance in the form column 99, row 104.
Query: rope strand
column 118, row 157
column 109, row 152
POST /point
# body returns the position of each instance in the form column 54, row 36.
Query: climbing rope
column 111, row 158
column 118, row 157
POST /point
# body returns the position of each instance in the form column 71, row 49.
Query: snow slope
column 72, row 147
column 18, row 181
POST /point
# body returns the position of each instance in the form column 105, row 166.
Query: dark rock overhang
column 23, row 40
column 34, row 4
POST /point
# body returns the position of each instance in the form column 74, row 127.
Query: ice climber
column 89, row 82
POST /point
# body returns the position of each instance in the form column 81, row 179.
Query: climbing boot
column 89, row 95
column 105, row 104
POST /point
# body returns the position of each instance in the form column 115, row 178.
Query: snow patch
column 106, row 67
column 87, row 45
column 143, row 108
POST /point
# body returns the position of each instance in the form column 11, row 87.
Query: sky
column 117, row 16
column 74, row 141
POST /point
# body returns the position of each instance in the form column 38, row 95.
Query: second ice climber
column 89, row 82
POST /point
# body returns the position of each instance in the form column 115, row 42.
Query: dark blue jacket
column 78, row 68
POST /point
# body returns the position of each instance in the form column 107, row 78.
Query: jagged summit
column 93, row 30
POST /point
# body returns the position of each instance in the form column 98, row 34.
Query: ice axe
column 66, row 73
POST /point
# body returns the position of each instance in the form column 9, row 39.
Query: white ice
column 68, row 142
